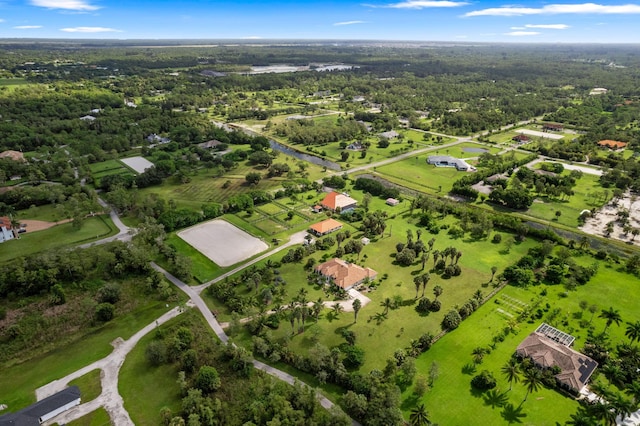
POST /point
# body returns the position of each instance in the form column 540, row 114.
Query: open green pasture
column 204, row 187
column 416, row 174
column 19, row 380
column 46, row 212
column 62, row 235
column 452, row 401
column 108, row 168
column 138, row 380
column 586, row 197
column 379, row 334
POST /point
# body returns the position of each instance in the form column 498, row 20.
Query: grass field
column 108, row 168
column 202, row 268
column 59, row 236
column 19, row 381
column 452, row 401
column 138, row 380
column 205, row 188
column 402, row 324
column 99, row 417
column 415, row 173
column 46, row 212
column 89, row 384
column 583, row 199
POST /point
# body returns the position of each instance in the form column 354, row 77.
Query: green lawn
column 583, row 199
column 93, row 228
column 89, row 384
column 452, row 401
column 138, row 380
column 402, row 324
column 203, row 268
column 415, row 173
column 99, row 417
column 19, row 381
column 46, row 213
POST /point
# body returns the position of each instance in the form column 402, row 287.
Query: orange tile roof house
column 337, row 201
column 345, row 274
column 548, row 352
column 612, row 144
column 325, row 227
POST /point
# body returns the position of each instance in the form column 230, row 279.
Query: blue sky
column 421, row 20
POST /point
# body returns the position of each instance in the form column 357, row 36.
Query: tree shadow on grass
column 512, row 414
column 410, row 402
column 494, row 398
column 469, row 368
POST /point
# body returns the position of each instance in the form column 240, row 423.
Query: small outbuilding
column 520, row 138
column 43, row 410
column 392, row 202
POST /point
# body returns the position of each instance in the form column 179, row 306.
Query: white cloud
column 252, row 38
column 422, row 4
column 65, row 4
column 27, row 27
column 521, row 33
column 518, row 28
column 338, row 24
column 90, row 30
column 554, row 9
column 548, row 26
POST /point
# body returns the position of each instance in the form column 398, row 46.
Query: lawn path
column 110, row 365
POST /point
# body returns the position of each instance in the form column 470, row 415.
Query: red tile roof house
column 612, row 144
column 336, row 201
column 325, row 227
column 345, row 274
column 521, row 138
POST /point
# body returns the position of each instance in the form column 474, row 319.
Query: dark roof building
column 44, row 409
column 546, row 350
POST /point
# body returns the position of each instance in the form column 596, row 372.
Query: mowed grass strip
column 58, row 236
column 89, row 385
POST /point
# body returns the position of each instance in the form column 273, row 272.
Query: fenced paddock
column 222, row 242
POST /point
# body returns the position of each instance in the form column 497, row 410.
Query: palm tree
column 317, row 307
column 337, row 309
column 386, row 304
column 417, row 281
column 633, row 389
column 478, row 354
column 602, row 412
column 582, row 418
column 425, row 278
column 633, row 331
column 494, row 269
column 419, row 416
column 511, row 371
column 611, row 316
column 532, row 381
column 623, row 407
column 437, row 291
column 357, row 304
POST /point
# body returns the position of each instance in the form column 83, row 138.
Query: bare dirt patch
column 597, row 225
column 39, row 225
column 222, row 242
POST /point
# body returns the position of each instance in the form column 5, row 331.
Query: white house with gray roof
column 447, row 161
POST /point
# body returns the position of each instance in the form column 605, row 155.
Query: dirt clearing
column 222, row 242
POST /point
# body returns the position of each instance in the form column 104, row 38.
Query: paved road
column 110, row 365
column 217, row 328
column 124, row 232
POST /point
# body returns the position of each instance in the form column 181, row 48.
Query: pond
column 474, row 150
column 304, row 157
